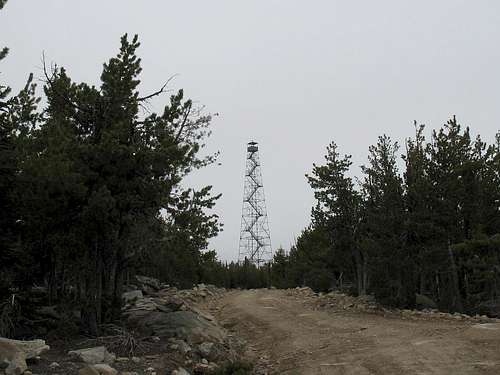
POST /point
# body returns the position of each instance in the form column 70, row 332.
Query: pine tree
column 338, row 211
column 101, row 176
column 383, row 228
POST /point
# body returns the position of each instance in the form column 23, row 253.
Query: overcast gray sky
column 293, row 75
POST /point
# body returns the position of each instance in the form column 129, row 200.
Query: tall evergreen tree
column 103, row 176
column 338, row 210
column 383, row 229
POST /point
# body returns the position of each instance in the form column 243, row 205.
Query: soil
column 287, row 336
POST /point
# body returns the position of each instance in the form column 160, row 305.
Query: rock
column 203, row 368
column 204, row 361
column 95, row 355
column 181, row 346
column 88, row 370
column 105, row 369
column 32, row 348
column 205, row 348
column 13, row 354
column 181, row 371
column 213, row 351
column 12, row 359
column 148, row 284
column 27, row 373
column 132, row 295
column 185, row 325
column 54, row 365
column 136, row 360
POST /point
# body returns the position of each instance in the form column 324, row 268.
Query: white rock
column 13, row 354
column 133, row 295
column 54, row 365
column 95, row 355
column 180, row 371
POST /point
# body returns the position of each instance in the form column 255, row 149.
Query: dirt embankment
column 287, row 334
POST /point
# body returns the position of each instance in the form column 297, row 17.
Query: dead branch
column 159, row 92
column 50, row 82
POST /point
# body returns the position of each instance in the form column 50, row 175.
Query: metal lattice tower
column 255, row 239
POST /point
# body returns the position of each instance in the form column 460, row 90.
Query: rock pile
column 176, row 337
column 171, row 314
column 337, row 302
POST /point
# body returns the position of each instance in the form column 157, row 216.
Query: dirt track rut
column 287, row 337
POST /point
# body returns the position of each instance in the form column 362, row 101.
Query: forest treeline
column 428, row 234
column 431, row 230
column 91, row 189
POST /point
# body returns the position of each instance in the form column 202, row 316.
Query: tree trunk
column 456, row 303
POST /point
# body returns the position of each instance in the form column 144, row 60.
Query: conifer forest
column 99, row 220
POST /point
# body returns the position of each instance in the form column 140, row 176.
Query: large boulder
column 12, row 359
column 32, row 348
column 185, row 325
column 13, row 354
column 95, row 355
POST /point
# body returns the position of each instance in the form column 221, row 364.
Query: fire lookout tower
column 255, row 239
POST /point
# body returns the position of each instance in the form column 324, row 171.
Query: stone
column 136, row 360
column 88, row 370
column 213, row 351
column 13, row 354
column 12, row 359
column 95, row 355
column 105, row 369
column 204, row 361
column 27, row 373
column 180, row 371
column 54, row 365
column 133, row 295
column 185, row 325
column 180, row 345
column 32, row 348
column 148, row 284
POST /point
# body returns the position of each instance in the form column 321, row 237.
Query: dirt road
column 287, row 337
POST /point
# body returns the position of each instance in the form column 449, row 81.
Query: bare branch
column 50, row 82
column 184, row 122
column 159, row 92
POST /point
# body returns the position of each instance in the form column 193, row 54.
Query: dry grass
column 9, row 315
column 121, row 341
